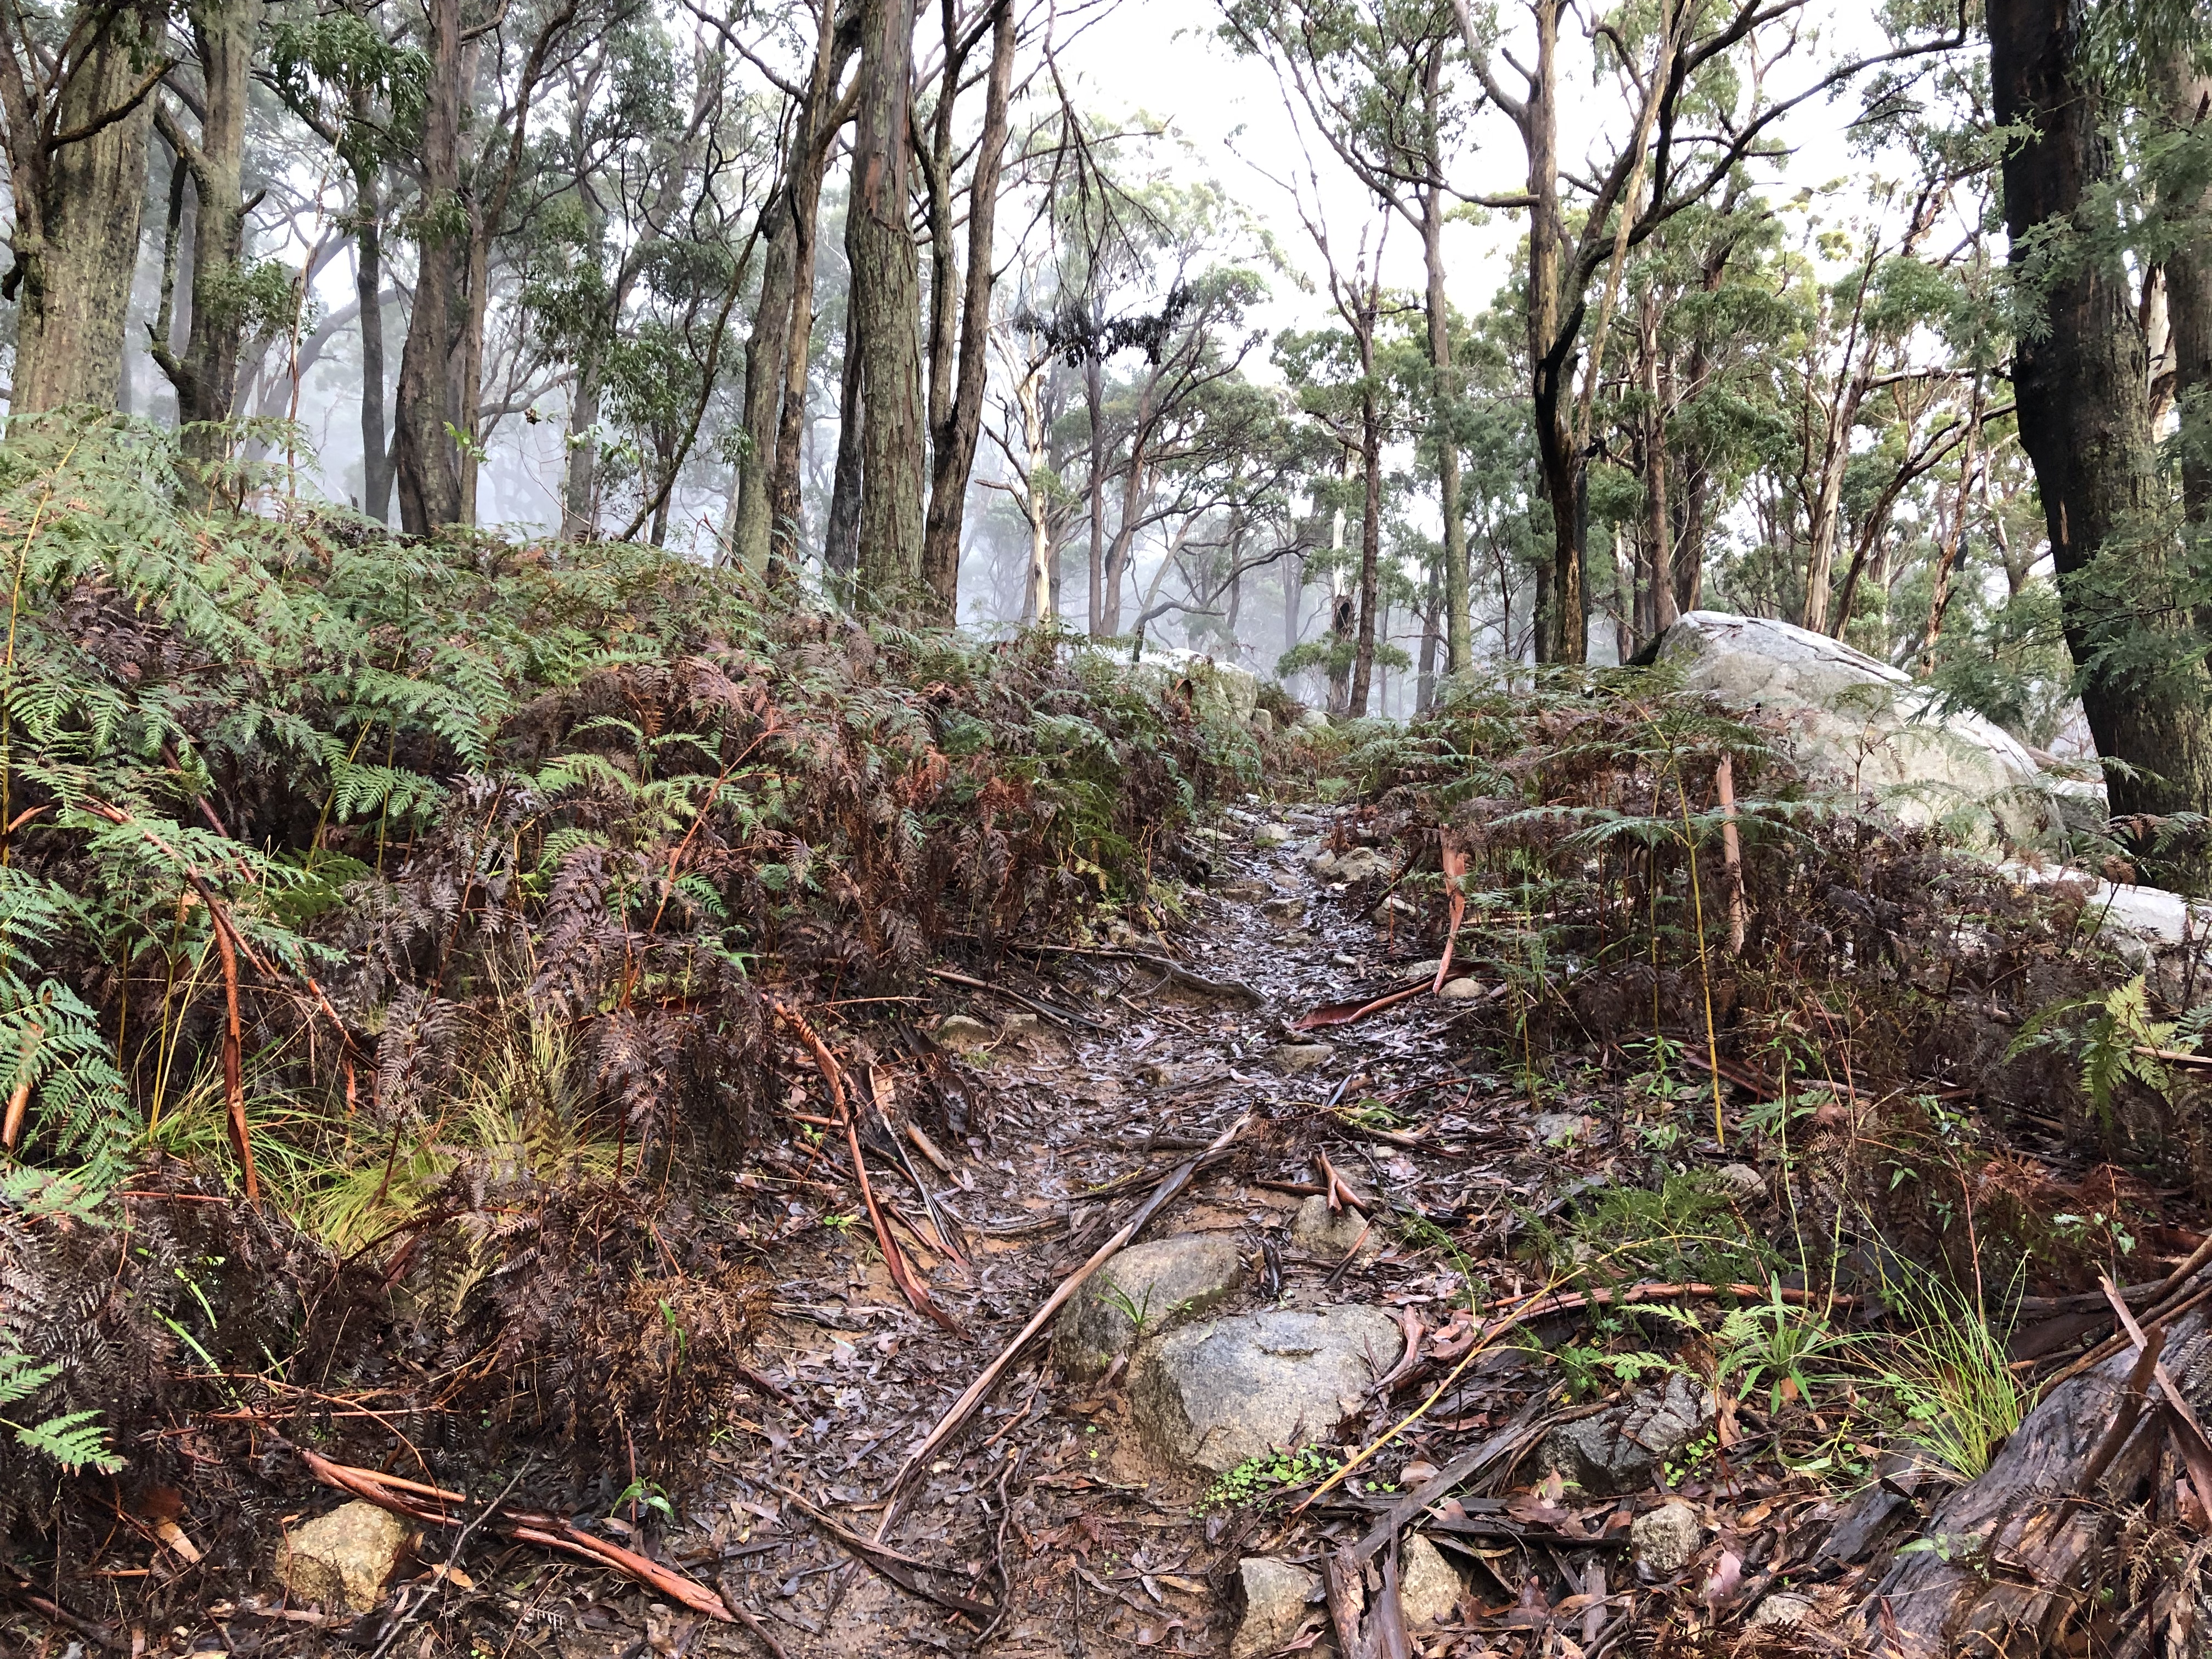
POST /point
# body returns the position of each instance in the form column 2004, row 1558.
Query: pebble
column 1666, row 1539
column 1292, row 1057
column 1461, row 990
column 1275, row 1594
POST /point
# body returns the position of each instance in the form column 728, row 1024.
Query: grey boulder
column 1211, row 1395
column 1860, row 724
column 1167, row 1283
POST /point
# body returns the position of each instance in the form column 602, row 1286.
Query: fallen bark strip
column 961, row 1409
column 895, row 1261
column 429, row 1504
column 1439, row 1485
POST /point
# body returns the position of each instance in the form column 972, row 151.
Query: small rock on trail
column 1169, row 1281
column 1334, row 1234
column 1618, row 1451
column 342, row 1560
column 1274, row 1594
column 1666, row 1539
column 1213, row 1394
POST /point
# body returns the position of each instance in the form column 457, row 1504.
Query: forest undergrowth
column 399, row 940
column 1862, row 1131
column 405, row 945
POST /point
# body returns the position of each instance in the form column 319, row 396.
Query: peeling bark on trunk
column 884, row 310
column 77, row 213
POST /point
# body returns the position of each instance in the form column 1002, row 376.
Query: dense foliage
column 440, row 870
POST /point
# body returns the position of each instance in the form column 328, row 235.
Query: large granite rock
column 1169, row 1282
column 1859, row 723
column 342, row 1560
column 1221, row 690
column 1213, row 1394
column 1619, row 1450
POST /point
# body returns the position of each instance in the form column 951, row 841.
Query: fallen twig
column 1174, row 969
column 1059, row 1016
column 429, row 1504
column 902, row 1570
column 1542, row 1305
column 979, row 1390
column 52, row 1610
column 895, row 1259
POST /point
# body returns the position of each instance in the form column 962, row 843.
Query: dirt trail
column 1047, row 1503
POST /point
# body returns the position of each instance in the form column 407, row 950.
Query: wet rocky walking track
column 1131, row 1481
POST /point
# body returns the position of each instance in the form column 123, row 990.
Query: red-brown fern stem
column 227, row 944
column 895, row 1259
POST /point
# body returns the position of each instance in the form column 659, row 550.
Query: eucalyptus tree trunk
column 368, row 287
column 954, row 430
column 205, row 374
column 785, row 495
column 426, row 458
column 2083, row 407
column 783, row 322
column 78, row 198
column 1371, row 511
column 1094, row 403
column 2186, row 97
column 1458, row 625
column 885, row 308
column 841, row 541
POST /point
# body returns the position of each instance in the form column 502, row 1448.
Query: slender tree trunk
column 841, row 544
column 1039, row 604
column 1094, row 401
column 2187, row 97
column 1293, row 583
column 426, row 460
column 1425, row 688
column 580, row 487
column 1459, row 624
column 1562, row 628
column 1658, row 520
column 368, row 285
column 786, row 499
column 1371, row 511
column 767, row 359
column 2079, row 386
column 885, row 306
column 777, row 353
column 952, row 453
column 77, row 213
